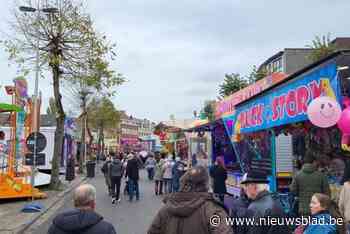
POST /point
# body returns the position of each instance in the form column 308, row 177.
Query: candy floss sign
column 288, row 103
column 227, row 106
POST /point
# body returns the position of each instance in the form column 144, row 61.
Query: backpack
column 116, row 169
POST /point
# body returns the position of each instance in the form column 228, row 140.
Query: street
column 131, row 218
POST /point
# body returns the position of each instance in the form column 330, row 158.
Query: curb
column 61, row 195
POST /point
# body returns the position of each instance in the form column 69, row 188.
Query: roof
column 204, row 127
column 341, row 42
column 299, row 72
column 179, row 123
column 273, row 57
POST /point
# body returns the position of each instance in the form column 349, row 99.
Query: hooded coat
column 189, row 213
column 306, row 183
column 80, row 221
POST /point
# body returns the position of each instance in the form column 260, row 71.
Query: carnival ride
column 14, row 174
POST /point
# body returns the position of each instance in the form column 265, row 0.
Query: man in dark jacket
column 308, row 182
column 263, row 206
column 192, row 210
column 82, row 219
column 116, row 173
column 106, row 172
column 132, row 172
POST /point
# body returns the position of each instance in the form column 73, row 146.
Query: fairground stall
column 273, row 124
column 14, row 172
column 172, row 139
column 307, row 112
column 221, row 139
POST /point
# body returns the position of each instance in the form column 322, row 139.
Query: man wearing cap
column 192, row 210
column 263, row 206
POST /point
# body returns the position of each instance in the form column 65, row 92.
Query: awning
column 207, row 127
column 4, row 107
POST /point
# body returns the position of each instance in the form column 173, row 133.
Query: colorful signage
column 287, row 103
column 227, row 106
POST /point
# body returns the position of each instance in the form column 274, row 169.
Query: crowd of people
column 191, row 200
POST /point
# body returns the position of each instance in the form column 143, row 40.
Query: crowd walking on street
column 188, row 204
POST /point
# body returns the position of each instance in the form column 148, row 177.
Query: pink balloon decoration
column 344, row 121
column 324, row 112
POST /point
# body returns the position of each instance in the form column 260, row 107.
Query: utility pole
column 82, row 156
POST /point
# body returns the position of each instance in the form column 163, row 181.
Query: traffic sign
column 39, row 159
column 40, row 142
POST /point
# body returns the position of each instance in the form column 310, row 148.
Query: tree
column 102, row 115
column 322, row 47
column 232, row 83
column 69, row 48
column 256, row 74
column 209, row 110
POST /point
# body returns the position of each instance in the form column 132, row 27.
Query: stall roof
column 203, row 127
column 298, row 73
column 4, row 107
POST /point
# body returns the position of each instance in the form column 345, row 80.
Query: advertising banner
column 285, row 104
column 227, row 106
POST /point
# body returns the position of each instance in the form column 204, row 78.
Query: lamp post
column 36, row 115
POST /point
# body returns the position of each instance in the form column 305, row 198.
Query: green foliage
column 69, row 47
column 322, row 47
column 209, row 110
column 67, row 41
column 232, row 83
column 102, row 114
column 256, row 75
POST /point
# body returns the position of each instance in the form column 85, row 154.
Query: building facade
column 132, row 130
column 291, row 60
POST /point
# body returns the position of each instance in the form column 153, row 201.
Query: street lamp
column 36, row 90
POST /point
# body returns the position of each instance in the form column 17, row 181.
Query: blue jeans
column 348, row 228
column 176, row 185
column 133, row 188
column 168, row 185
column 150, row 173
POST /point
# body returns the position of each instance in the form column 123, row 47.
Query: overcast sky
column 175, row 53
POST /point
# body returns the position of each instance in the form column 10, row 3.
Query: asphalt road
column 130, row 218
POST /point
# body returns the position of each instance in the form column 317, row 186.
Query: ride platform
column 16, row 187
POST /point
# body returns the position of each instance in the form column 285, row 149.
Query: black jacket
column 265, row 206
column 219, row 176
column 80, row 222
column 132, row 169
column 105, row 168
column 240, row 210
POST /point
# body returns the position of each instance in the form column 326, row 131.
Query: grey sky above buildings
column 175, row 53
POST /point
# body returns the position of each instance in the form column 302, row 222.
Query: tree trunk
column 101, row 140
column 59, row 133
column 83, row 138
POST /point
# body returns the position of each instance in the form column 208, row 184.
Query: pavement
column 131, row 218
column 15, row 221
